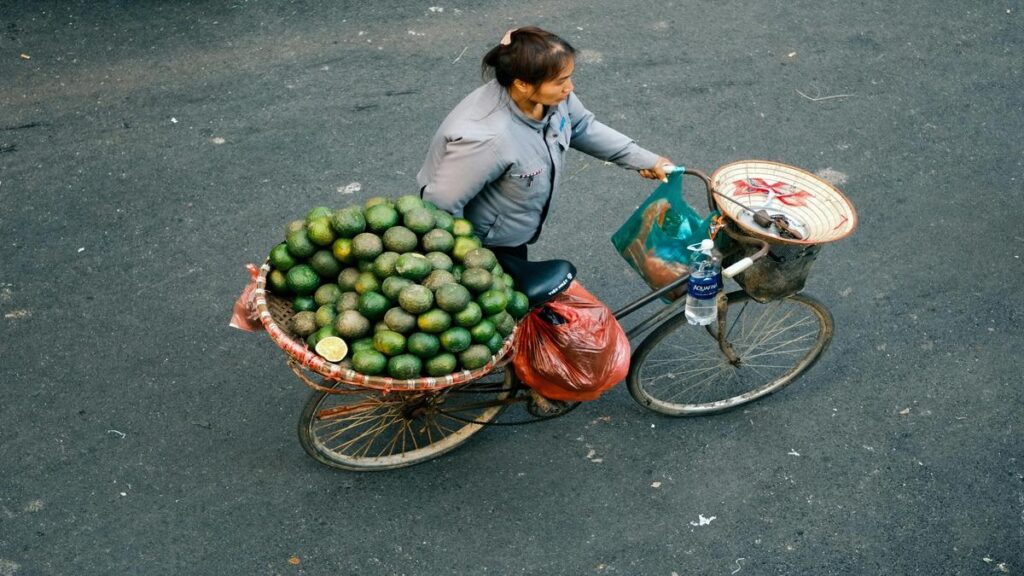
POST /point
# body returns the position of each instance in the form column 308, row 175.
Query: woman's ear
column 521, row 87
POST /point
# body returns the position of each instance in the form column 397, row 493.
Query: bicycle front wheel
column 680, row 370
column 360, row 429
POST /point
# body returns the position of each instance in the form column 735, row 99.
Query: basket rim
column 333, row 371
column 771, row 239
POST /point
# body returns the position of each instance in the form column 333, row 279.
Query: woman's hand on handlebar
column 657, row 172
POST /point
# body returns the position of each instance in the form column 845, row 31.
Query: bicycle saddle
column 540, row 280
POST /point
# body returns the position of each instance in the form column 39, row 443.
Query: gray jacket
column 498, row 168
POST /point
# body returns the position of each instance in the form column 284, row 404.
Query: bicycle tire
column 700, row 387
column 365, row 430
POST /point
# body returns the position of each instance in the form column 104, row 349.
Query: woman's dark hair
column 533, row 55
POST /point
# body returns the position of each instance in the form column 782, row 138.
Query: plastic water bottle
column 705, row 281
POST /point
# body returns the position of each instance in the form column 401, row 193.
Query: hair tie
column 507, row 38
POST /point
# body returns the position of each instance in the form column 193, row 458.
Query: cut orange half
column 332, row 348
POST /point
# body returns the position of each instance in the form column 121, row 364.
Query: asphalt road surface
column 149, row 150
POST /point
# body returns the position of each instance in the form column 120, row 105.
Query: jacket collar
column 517, row 113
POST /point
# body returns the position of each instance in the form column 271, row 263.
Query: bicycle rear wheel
column 679, row 370
column 362, row 429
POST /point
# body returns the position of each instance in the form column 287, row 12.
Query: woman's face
column 551, row 92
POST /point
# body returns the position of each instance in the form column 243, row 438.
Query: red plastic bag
column 575, row 361
column 244, row 315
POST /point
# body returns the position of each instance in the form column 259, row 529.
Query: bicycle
column 766, row 335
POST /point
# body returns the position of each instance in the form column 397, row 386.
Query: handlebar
column 743, row 264
column 746, row 262
column 738, row 267
column 673, row 169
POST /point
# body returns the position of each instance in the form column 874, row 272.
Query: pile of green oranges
column 394, row 287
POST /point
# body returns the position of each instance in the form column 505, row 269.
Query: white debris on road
column 702, row 521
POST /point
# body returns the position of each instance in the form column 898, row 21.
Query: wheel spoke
column 370, row 435
column 389, row 448
column 700, row 355
column 698, row 371
column 431, row 425
column 777, row 346
column 426, row 430
column 736, row 321
column 436, row 417
column 774, row 329
column 352, row 423
column 355, row 423
column 412, row 436
column 343, row 411
column 697, row 385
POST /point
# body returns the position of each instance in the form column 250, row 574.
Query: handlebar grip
column 737, row 267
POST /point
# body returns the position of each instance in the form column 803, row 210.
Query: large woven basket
column 813, row 206
column 275, row 313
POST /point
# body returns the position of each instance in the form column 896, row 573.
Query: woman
column 498, row 157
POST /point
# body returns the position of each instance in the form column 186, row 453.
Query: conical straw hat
column 812, row 206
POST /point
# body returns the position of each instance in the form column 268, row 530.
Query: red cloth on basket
column 244, row 316
column 575, row 361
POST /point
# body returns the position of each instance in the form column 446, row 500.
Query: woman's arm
column 466, row 166
column 598, row 140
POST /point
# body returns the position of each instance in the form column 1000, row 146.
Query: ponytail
column 529, row 54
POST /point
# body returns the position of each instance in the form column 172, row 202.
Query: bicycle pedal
column 546, row 407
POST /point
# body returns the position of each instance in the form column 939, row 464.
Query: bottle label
column 704, row 288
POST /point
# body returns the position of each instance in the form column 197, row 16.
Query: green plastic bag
column 654, row 238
